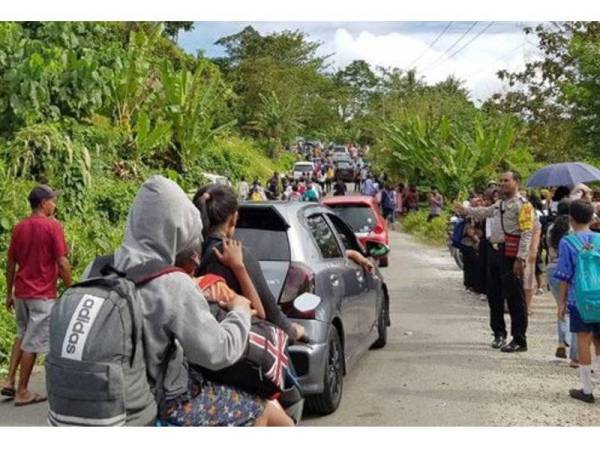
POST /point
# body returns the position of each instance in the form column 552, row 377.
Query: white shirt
column 243, row 189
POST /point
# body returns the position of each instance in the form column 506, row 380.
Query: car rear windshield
column 360, row 217
column 266, row 245
column 303, row 167
column 264, row 231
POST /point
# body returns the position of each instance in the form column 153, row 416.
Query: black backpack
column 263, row 367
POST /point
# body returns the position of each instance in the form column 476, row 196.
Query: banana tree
column 190, row 103
column 277, row 120
column 134, row 80
column 454, row 160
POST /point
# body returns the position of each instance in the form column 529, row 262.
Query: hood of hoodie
column 161, row 223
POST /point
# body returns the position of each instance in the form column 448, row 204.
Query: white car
column 217, row 179
column 340, row 149
column 302, row 169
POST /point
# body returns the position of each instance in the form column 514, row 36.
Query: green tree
column 285, row 64
column 172, row 29
column 556, row 94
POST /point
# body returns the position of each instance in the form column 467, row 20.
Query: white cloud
column 476, row 64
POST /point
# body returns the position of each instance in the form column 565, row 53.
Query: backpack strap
column 100, row 264
column 140, row 275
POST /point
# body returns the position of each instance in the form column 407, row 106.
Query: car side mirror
column 377, row 249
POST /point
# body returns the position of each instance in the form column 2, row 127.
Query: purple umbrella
column 564, row 174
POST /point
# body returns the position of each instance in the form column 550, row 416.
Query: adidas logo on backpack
column 95, row 369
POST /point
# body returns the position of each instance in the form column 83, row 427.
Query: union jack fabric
column 271, row 344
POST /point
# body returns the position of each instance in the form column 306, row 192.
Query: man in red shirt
column 37, row 256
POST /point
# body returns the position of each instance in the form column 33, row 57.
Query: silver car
column 301, row 248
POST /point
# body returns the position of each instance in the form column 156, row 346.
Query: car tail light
column 378, row 229
column 300, row 279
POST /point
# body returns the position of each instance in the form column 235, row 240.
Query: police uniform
column 513, row 217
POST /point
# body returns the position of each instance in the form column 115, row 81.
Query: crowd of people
column 510, row 238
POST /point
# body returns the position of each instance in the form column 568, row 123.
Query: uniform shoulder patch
column 526, row 217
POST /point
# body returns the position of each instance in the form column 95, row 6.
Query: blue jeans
column 562, row 326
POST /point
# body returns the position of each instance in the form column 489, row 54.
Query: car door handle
column 335, row 281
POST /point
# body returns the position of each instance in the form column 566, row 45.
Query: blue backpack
column 458, row 232
column 587, row 277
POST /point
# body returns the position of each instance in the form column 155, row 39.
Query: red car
column 363, row 215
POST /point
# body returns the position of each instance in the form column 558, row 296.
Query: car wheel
column 383, row 261
column 382, row 322
column 328, row 401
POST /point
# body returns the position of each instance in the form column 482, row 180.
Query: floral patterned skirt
column 210, row 404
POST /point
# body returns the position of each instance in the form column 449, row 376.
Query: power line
column 473, row 39
column 483, row 30
column 438, row 37
column 453, row 45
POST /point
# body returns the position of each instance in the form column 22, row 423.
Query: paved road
column 438, row 368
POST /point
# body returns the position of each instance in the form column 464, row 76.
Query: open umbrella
column 564, row 174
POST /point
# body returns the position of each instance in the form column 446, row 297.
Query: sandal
column 8, row 392
column 36, row 398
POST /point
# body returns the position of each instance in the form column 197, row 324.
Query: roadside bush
column 433, row 233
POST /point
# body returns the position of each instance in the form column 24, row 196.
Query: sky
column 472, row 51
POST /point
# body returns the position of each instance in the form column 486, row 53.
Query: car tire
column 382, row 326
column 383, row 261
column 329, row 400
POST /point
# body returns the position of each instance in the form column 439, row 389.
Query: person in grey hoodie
column 178, row 325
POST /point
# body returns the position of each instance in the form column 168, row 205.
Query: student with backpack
column 120, row 343
column 578, row 271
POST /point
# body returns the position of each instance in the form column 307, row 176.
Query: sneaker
column 499, row 342
column 513, row 347
column 483, row 297
column 578, row 394
column 561, row 352
column 540, row 291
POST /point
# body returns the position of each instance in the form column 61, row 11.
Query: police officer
column 508, row 249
